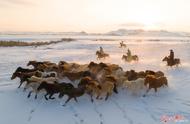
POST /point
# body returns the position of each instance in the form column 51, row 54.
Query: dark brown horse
column 73, row 93
column 24, row 76
column 171, row 63
column 24, row 70
column 101, row 55
column 56, row 88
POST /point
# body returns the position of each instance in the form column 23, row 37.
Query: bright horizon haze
column 94, row 16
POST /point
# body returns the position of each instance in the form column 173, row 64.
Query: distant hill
column 119, row 32
column 139, row 32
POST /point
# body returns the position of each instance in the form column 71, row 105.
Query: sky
column 94, row 16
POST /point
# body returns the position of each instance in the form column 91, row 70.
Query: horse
column 131, row 75
column 101, row 55
column 107, row 86
column 131, row 58
column 91, row 86
column 45, row 65
column 122, row 45
column 135, row 85
column 170, row 63
column 35, row 64
column 55, row 88
column 24, row 76
column 41, row 79
column 72, row 93
column 24, row 70
column 72, row 76
column 157, row 73
column 154, row 82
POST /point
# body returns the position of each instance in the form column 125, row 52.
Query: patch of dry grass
column 22, row 43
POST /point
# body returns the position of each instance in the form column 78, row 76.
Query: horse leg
column 147, row 92
column 36, row 92
column 155, row 89
column 75, row 99
column 107, row 95
column 67, row 100
column 91, row 96
column 36, row 96
column 97, row 97
column 29, row 94
column 21, row 82
column 50, row 96
column 46, row 96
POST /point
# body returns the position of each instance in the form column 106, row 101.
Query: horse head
column 16, row 74
column 124, row 56
column 97, row 52
column 31, row 63
column 165, row 59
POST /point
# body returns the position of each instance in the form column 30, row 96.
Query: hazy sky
column 94, row 15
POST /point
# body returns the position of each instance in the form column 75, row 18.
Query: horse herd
column 98, row 80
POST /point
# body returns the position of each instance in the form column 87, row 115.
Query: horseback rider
column 101, row 50
column 171, row 57
column 128, row 53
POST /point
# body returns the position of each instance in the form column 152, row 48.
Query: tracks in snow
column 78, row 118
column 122, row 109
column 100, row 115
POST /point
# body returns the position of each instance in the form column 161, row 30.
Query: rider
column 101, row 50
column 128, row 53
column 171, row 56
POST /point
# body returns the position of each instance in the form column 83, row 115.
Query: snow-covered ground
column 122, row 108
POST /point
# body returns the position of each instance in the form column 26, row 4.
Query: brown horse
column 101, row 55
column 122, row 45
column 76, row 75
column 154, row 82
column 170, row 63
column 129, row 59
column 35, row 64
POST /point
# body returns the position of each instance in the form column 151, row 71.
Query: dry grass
column 22, row 43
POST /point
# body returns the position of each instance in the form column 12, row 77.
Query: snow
column 122, row 108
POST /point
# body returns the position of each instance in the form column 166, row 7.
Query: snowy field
column 122, row 108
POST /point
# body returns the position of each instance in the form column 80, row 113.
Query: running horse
column 170, row 63
column 130, row 58
column 122, row 45
column 101, row 55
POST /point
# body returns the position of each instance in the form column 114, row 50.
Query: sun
column 148, row 19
